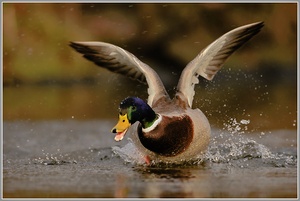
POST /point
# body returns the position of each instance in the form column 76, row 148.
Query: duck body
column 182, row 133
column 169, row 130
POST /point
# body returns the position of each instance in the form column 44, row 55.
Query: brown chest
column 170, row 138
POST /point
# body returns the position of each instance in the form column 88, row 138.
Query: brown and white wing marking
column 211, row 59
column 123, row 62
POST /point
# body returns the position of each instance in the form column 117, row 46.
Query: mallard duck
column 169, row 129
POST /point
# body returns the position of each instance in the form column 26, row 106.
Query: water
column 80, row 159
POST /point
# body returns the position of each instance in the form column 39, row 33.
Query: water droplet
column 244, row 121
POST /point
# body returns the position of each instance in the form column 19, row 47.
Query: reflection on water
column 221, row 104
column 48, row 102
column 165, row 173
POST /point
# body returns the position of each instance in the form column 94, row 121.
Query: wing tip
column 76, row 45
column 254, row 28
column 82, row 47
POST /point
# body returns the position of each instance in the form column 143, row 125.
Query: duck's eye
column 133, row 108
column 123, row 120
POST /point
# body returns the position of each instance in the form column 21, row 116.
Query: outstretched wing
column 211, row 59
column 123, row 62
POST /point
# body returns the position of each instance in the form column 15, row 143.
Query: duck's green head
column 133, row 109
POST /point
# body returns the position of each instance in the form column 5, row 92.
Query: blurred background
column 44, row 79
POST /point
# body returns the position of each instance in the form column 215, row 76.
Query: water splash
column 244, row 148
column 74, row 157
column 234, row 144
column 231, row 145
column 53, row 159
column 236, row 127
column 129, row 153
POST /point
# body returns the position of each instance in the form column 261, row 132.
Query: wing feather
column 122, row 62
column 211, row 59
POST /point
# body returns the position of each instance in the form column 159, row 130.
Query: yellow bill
column 121, row 127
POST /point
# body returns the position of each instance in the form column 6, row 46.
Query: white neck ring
column 153, row 126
